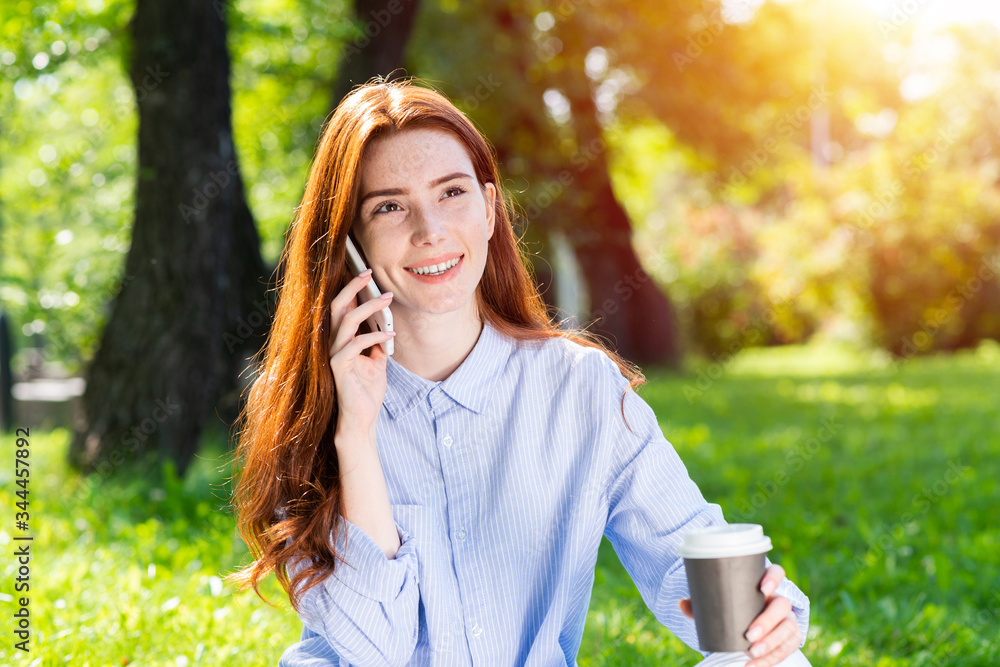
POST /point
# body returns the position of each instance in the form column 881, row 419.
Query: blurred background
column 784, row 211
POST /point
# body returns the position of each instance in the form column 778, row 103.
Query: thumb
column 685, row 606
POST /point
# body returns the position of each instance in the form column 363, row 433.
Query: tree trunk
column 172, row 345
column 625, row 303
column 380, row 49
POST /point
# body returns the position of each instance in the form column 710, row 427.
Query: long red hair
column 285, row 455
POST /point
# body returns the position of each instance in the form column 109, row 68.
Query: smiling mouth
column 437, row 269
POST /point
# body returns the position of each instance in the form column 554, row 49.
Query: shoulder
column 561, row 360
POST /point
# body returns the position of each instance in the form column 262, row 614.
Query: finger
column 772, row 578
column 358, row 344
column 780, row 644
column 686, row 607
column 778, row 607
column 783, row 633
column 359, row 314
column 345, row 298
column 353, row 319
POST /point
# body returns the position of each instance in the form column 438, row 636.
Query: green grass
column 897, row 554
column 128, row 572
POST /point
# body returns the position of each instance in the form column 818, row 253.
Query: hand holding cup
column 735, row 608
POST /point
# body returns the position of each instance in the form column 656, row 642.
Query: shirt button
column 460, row 534
column 447, row 441
column 476, row 630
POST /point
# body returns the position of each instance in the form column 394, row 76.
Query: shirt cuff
column 367, row 571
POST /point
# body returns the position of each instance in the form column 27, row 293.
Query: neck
column 434, row 346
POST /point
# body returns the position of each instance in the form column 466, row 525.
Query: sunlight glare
column 936, row 13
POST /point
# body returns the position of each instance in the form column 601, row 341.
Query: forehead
column 424, row 152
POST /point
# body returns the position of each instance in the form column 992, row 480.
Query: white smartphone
column 382, row 319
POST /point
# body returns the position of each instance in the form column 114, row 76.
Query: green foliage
column 68, row 127
column 758, row 227
column 285, row 58
column 885, row 233
column 66, row 171
column 896, row 555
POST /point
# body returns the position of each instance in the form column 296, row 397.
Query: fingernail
column 767, row 588
column 753, row 634
column 365, row 273
column 757, row 650
column 386, row 295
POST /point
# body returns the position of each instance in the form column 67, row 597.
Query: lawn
column 876, row 481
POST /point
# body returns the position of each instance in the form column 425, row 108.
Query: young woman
column 445, row 505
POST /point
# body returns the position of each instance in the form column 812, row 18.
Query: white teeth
column 437, row 269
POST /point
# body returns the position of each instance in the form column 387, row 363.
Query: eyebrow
column 398, row 191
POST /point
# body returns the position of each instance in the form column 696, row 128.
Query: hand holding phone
column 360, row 379
column 382, row 319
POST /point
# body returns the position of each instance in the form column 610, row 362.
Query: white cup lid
column 725, row 541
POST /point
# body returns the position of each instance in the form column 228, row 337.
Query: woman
column 445, row 505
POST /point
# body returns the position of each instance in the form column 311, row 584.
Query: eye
column 457, row 189
column 379, row 209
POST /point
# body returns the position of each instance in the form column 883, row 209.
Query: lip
column 444, row 277
column 435, row 260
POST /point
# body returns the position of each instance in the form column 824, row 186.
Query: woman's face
column 421, row 206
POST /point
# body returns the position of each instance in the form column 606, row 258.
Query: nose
column 428, row 226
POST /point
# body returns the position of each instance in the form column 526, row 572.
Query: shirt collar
column 470, row 384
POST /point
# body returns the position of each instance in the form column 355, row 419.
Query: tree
column 194, row 265
column 625, row 303
column 386, row 28
column 559, row 167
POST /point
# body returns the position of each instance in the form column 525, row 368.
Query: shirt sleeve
column 652, row 503
column 365, row 612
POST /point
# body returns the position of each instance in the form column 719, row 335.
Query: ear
column 491, row 211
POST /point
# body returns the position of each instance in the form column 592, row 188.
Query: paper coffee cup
column 725, row 565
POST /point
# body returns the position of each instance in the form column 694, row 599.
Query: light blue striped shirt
column 503, row 478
